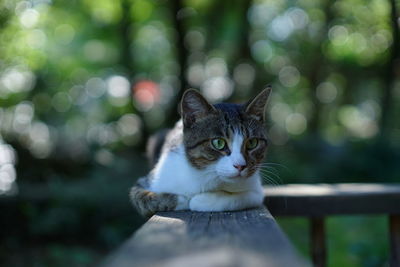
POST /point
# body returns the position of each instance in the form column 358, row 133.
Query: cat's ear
column 256, row 107
column 194, row 107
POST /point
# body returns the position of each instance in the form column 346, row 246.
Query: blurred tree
column 84, row 83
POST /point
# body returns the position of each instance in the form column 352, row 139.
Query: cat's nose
column 240, row 167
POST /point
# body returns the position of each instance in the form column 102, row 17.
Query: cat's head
column 228, row 139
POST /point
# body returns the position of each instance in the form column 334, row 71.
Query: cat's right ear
column 194, row 107
column 256, row 107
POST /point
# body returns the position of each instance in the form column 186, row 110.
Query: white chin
column 230, row 178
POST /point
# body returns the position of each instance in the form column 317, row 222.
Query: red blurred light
column 146, row 92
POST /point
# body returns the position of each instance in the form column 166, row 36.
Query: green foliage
column 351, row 240
column 84, row 83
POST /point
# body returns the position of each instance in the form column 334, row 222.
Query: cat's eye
column 251, row 143
column 218, row 143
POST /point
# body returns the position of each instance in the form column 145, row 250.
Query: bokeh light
column 146, row 94
column 84, row 84
column 8, row 173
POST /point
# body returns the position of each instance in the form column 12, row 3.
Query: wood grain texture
column 248, row 238
column 333, row 199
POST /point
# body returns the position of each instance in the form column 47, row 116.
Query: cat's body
column 209, row 161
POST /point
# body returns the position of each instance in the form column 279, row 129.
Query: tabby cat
column 209, row 161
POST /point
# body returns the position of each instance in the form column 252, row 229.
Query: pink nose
column 240, row 167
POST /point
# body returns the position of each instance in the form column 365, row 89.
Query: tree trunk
column 181, row 55
column 391, row 71
column 317, row 70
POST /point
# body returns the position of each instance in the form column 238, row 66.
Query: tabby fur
column 189, row 143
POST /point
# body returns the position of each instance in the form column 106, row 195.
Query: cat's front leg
column 182, row 202
column 225, row 201
column 147, row 202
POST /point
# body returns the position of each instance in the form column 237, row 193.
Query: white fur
column 225, row 165
column 218, row 187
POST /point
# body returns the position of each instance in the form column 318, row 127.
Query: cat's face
column 227, row 139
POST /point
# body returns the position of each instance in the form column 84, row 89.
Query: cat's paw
column 204, row 202
column 182, row 202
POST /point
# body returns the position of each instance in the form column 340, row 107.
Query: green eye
column 252, row 143
column 218, row 143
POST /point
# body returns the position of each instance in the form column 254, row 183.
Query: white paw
column 183, row 203
column 204, row 202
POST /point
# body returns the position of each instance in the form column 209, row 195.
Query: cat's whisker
column 265, row 164
column 274, row 177
column 268, row 168
column 264, row 171
column 265, row 168
column 277, row 164
column 270, row 181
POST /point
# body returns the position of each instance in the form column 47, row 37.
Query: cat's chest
column 175, row 174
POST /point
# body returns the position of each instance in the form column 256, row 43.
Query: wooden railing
column 252, row 237
column 249, row 238
column 318, row 201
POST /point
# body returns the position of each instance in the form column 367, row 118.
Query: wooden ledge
column 190, row 239
column 333, row 199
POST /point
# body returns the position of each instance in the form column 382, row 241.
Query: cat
column 209, row 161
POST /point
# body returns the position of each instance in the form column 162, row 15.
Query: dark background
column 84, row 83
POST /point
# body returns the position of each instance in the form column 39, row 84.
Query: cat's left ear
column 256, row 106
column 194, row 107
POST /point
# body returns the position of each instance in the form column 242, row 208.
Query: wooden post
column 394, row 226
column 318, row 241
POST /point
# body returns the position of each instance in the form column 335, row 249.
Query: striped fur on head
column 204, row 122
